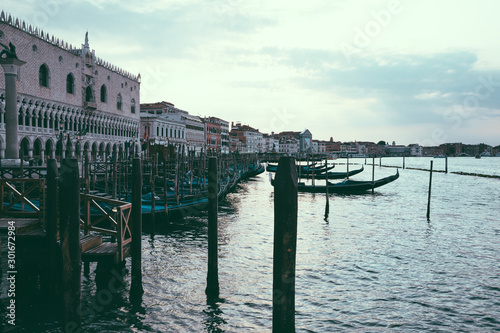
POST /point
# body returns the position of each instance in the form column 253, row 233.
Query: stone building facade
column 67, row 89
column 174, row 126
column 251, row 139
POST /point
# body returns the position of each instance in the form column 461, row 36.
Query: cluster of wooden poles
column 63, row 190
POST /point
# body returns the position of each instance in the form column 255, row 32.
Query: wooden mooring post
column 429, row 198
column 136, row 289
column 327, row 206
column 152, row 179
column 347, row 175
column 373, row 172
column 212, row 289
column 285, row 245
column 51, row 225
column 69, row 204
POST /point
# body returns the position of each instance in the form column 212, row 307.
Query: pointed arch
column 119, row 101
column 88, row 94
column 104, row 94
column 44, row 76
column 70, row 83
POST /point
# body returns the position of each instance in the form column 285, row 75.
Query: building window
column 43, row 75
column 34, row 48
column 119, row 102
column 132, row 105
column 60, row 59
column 70, row 84
column 104, row 94
column 88, row 94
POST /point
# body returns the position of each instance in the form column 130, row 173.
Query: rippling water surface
column 376, row 264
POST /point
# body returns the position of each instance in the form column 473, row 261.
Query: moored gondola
column 348, row 186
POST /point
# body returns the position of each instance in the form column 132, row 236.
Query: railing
column 18, row 196
column 115, row 212
column 25, row 172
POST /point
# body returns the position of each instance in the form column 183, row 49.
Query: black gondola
column 348, row 186
column 334, row 175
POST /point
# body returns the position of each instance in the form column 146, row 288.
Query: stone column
column 11, row 67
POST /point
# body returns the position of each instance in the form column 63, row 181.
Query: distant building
column 165, row 130
column 195, row 133
column 192, row 128
column 289, row 146
column 432, row 151
column 271, row 143
column 251, row 139
column 332, row 147
column 452, row 149
column 68, row 88
column 212, row 135
column 397, row 150
column 314, row 146
column 305, row 143
column 217, row 134
column 415, row 149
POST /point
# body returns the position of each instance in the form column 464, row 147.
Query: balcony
column 91, row 106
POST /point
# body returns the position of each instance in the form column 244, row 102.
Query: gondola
column 334, row 175
column 348, row 186
column 303, row 169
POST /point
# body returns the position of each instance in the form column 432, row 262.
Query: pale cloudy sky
column 408, row 71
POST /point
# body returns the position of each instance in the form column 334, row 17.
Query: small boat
column 303, row 169
column 334, row 175
column 348, row 186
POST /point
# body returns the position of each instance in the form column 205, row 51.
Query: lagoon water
column 376, row 265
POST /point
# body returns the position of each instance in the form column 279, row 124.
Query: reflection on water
column 377, row 264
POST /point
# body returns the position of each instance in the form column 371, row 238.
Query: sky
column 407, row 71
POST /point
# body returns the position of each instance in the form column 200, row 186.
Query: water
column 375, row 265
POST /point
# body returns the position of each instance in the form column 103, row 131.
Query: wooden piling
column 165, row 185
column 313, row 172
column 446, row 164
column 51, row 224
column 429, row 197
column 153, row 194
column 136, row 289
column 212, row 289
column 373, row 173
column 285, row 243
column 403, row 161
column 106, row 186
column 69, row 197
column 176, row 186
column 86, row 265
column 327, row 206
column 115, row 174
column 347, row 166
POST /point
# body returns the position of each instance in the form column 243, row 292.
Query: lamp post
column 131, row 143
column 62, row 134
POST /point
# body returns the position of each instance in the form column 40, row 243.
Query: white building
column 415, row 149
column 289, row 146
column 164, row 129
column 195, row 133
column 270, row 143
